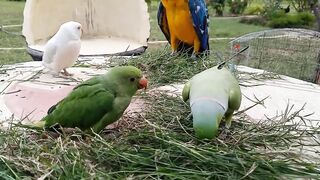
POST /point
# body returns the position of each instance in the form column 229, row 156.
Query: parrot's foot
column 228, row 125
column 173, row 53
column 66, row 73
column 228, row 119
column 194, row 56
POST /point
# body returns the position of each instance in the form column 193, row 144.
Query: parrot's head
column 72, row 29
column 207, row 115
column 128, row 79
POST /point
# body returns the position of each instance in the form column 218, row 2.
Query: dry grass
column 159, row 142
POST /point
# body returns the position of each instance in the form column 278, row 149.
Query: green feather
column 213, row 94
column 97, row 102
column 186, row 91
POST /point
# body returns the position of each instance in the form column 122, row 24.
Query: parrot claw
column 173, row 53
column 228, row 120
column 66, row 73
column 228, row 124
column 193, row 56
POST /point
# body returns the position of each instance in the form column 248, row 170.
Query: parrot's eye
column 78, row 27
column 132, row 79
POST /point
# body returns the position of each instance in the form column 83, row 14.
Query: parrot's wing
column 200, row 18
column 234, row 99
column 49, row 53
column 163, row 22
column 89, row 82
column 84, row 107
column 186, row 91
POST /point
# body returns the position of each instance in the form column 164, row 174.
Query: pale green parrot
column 97, row 102
column 214, row 94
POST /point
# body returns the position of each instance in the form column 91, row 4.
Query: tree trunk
column 315, row 7
column 316, row 78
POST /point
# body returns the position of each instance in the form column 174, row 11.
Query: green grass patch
column 12, row 39
column 13, row 56
column 231, row 27
column 11, row 12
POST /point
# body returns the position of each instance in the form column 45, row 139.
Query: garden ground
column 158, row 143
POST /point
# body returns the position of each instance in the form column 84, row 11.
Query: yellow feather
column 180, row 24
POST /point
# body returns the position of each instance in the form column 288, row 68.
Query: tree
column 237, row 6
column 315, row 7
column 148, row 2
column 217, row 5
column 300, row 5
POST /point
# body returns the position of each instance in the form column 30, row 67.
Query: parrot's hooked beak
column 143, row 83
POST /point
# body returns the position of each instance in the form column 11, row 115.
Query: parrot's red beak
column 143, row 83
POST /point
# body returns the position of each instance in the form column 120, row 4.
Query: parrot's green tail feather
column 37, row 126
column 207, row 115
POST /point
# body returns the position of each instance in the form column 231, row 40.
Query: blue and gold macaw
column 185, row 25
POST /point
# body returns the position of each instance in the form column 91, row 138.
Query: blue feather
column 200, row 18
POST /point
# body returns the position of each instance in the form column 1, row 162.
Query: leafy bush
column 307, row 18
column 299, row 20
column 255, row 9
column 280, row 19
column 237, row 6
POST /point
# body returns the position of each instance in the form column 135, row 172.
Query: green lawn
column 231, row 27
column 11, row 13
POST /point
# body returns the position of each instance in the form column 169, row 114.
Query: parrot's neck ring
column 208, row 99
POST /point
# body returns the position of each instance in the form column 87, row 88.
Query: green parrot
column 97, row 102
column 214, row 94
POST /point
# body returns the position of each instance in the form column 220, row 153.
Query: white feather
column 62, row 50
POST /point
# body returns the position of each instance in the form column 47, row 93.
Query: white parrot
column 62, row 50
